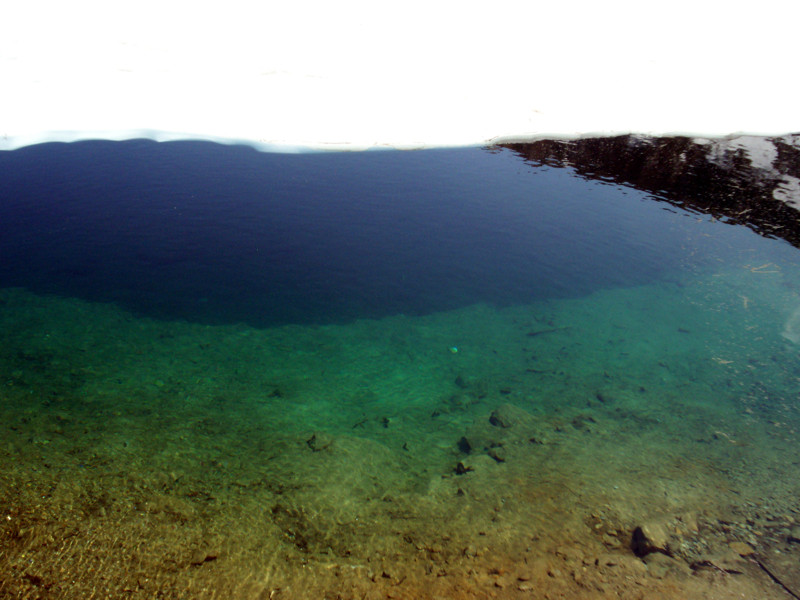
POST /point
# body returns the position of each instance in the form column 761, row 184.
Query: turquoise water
column 452, row 373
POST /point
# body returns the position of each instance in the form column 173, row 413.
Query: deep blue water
column 216, row 234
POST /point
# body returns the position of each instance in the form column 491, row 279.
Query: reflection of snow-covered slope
column 760, row 151
column 741, row 180
column 791, row 330
column 788, row 191
column 764, row 157
column 359, row 74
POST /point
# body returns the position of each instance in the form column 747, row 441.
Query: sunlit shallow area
column 545, row 370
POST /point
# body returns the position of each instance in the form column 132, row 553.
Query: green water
column 88, row 385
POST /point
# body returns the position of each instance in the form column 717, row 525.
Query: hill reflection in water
column 746, row 180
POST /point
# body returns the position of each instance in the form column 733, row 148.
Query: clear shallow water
column 423, row 373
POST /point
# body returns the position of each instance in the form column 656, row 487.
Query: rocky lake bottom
column 636, row 443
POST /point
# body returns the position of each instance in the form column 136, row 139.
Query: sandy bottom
column 637, row 443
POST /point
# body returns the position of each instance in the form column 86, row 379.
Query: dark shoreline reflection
column 751, row 181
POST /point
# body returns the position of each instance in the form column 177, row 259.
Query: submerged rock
column 498, row 454
column 649, row 538
column 462, row 469
column 319, row 441
column 794, row 535
column 727, row 560
column 503, row 416
column 660, row 565
column 741, row 548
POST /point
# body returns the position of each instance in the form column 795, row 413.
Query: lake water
column 556, row 369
